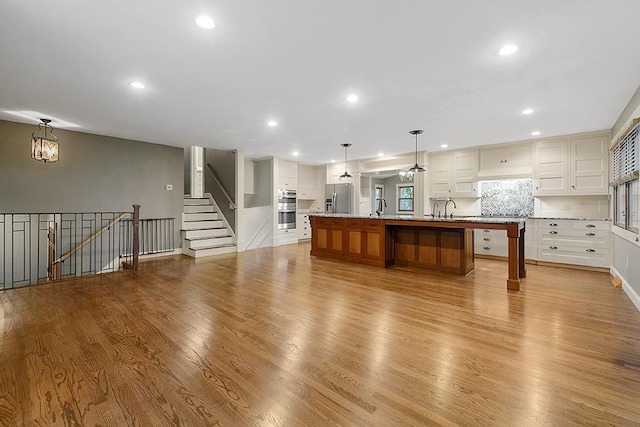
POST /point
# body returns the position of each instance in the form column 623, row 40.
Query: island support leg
column 513, row 282
column 523, row 270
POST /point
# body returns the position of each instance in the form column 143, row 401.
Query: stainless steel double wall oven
column 286, row 209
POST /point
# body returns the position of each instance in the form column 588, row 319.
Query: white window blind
column 625, row 158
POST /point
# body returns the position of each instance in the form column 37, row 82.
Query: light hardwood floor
column 275, row 337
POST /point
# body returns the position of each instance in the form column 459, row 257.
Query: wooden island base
column 432, row 244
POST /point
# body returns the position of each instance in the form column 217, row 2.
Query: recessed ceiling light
column 272, row 123
column 333, row 160
column 535, row 133
column 137, row 85
column 352, row 98
column 444, row 145
column 527, row 111
column 205, row 22
column 295, row 153
column 380, row 154
column 508, row 49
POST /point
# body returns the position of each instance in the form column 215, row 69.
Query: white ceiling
column 423, row 64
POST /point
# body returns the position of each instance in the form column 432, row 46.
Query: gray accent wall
column 94, row 173
column 187, row 170
column 224, row 165
column 263, row 191
column 623, row 250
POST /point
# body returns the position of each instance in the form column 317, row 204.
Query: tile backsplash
column 507, row 197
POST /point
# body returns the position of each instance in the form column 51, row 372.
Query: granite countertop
column 429, row 218
column 557, row 218
column 471, row 218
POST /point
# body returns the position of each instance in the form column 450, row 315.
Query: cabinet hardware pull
column 553, row 232
column 553, row 247
column 553, row 225
column 591, row 250
column 590, row 226
column 573, row 186
column 486, row 239
column 487, row 248
column 590, row 234
column 486, row 231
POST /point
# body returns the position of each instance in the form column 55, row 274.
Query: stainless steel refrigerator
column 337, row 198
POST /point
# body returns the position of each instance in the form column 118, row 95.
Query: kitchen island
column 444, row 244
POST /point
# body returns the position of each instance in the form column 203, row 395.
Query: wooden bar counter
column 444, row 244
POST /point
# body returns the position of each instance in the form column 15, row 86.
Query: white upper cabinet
column 551, row 170
column 589, row 165
column 442, row 175
column 576, row 166
column 510, row 161
column 287, row 174
column 465, row 173
column 454, row 174
column 307, row 187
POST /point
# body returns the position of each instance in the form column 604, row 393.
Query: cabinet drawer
column 573, row 225
column 572, row 237
column 491, row 249
column 595, row 257
column 591, row 225
column 329, row 222
column 365, row 224
column 491, row 236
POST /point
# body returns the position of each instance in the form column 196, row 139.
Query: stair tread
column 211, row 228
column 200, row 220
column 205, row 238
column 226, row 245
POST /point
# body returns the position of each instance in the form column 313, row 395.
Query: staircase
column 204, row 231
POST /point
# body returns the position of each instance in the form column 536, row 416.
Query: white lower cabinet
column 491, row 242
column 303, row 226
column 578, row 242
column 496, row 242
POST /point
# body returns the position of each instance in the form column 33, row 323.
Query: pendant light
column 416, row 168
column 44, row 148
column 345, row 175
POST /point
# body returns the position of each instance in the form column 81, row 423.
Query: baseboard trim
column 502, row 258
column 626, row 287
column 574, row 266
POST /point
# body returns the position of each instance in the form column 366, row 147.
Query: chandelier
column 44, row 148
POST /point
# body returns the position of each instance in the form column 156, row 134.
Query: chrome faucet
column 433, row 209
column 380, row 207
column 445, row 206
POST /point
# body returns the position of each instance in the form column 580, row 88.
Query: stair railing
column 232, row 205
column 93, row 236
column 92, row 243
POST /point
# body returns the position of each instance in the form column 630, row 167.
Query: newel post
column 136, row 235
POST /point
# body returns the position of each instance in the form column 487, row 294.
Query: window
column 380, row 201
column 633, row 196
column 625, row 167
column 405, row 198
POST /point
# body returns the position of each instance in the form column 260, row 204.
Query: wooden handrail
column 215, row 178
column 89, row 239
